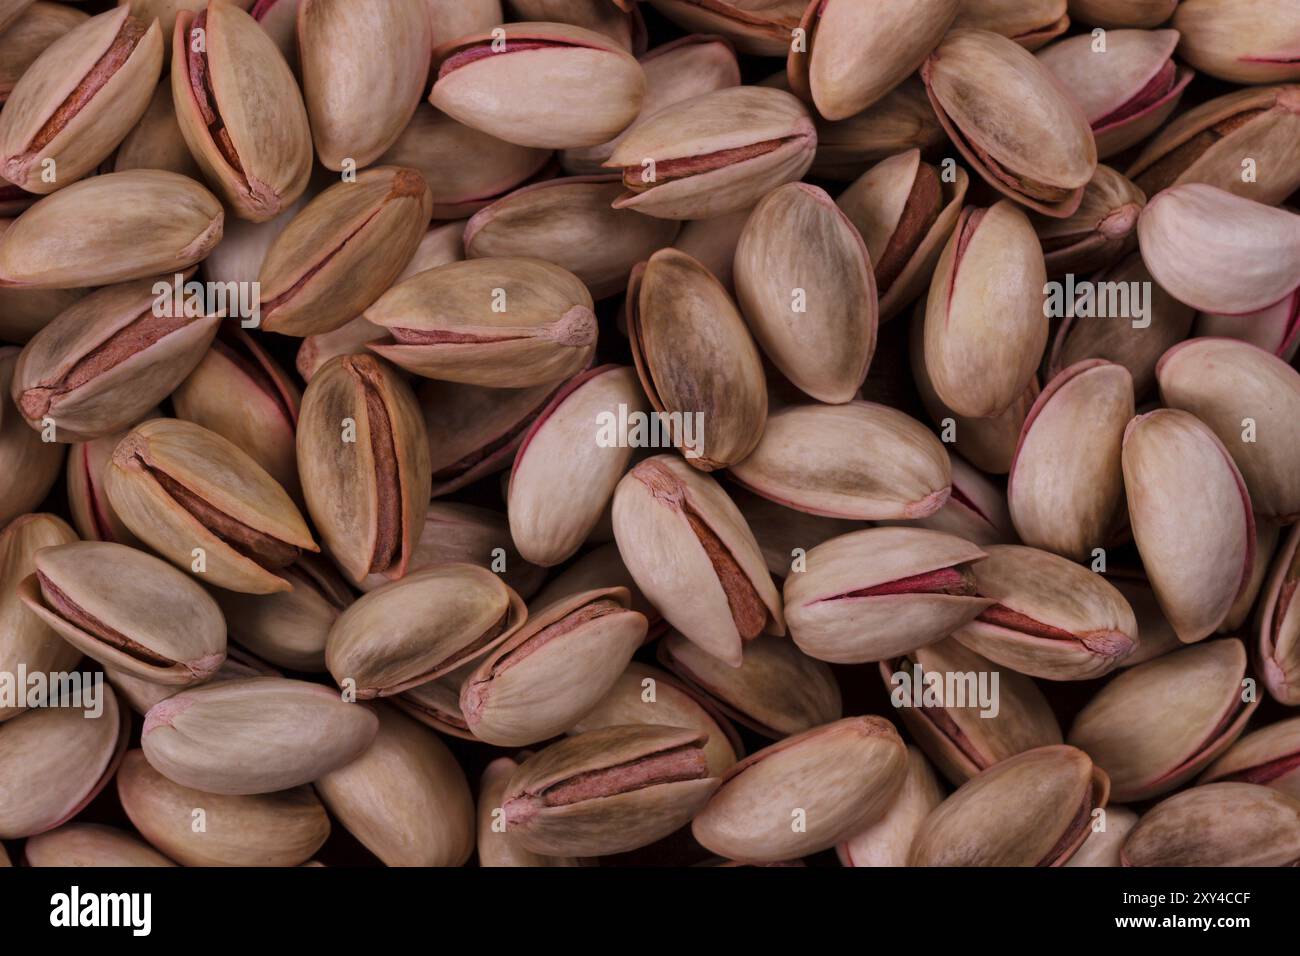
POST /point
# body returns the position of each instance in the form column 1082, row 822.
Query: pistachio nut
column 777, row 691
column 1240, row 42
column 783, row 534
column 836, row 779
column 961, row 736
column 268, row 829
column 1102, row 230
column 1267, row 535
column 714, row 154
column 111, row 228
column 24, row 312
column 692, row 555
column 901, row 120
column 29, row 466
column 876, row 594
column 620, row 20
column 601, row 567
column 1123, row 13
column 763, row 29
column 860, row 460
column 1080, row 416
column 1275, row 329
column 90, row 844
column 985, row 327
column 257, row 735
column 887, row 841
column 83, row 94
column 496, row 848
column 406, row 798
column 608, row 790
column 127, row 609
column 342, row 251
column 27, row 36
column 1219, row 824
column 1051, row 618
column 805, row 285
column 240, row 110
column 141, row 694
column 436, row 703
column 420, row 628
column 243, row 248
column 905, row 211
column 1158, row 636
column 26, row 641
column 1031, row 23
column 1033, row 809
column 545, row 85
column 1106, row 839
column 1270, row 756
column 854, row 53
column 156, row 141
column 182, row 488
column 1279, row 624
column 1128, row 88
column 1012, row 120
column 1191, row 518
column 502, row 323
column 364, row 65
column 279, row 18
column 92, row 514
column 696, row 360
column 108, row 359
column 976, row 511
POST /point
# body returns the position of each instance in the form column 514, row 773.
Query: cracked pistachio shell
column 714, row 154
column 1102, row 230
column 1158, row 725
column 111, row 228
column 780, row 530
column 805, row 285
column 860, row 460
column 843, row 776
column 1275, row 329
column 269, row 829
column 696, row 359
column 1240, row 42
column 1102, row 848
column 571, row 223
column 1211, row 142
column 80, row 98
column 1127, row 90
column 854, row 53
column 566, row 448
column 902, row 120
column 405, row 798
column 976, row 511
column 888, row 841
column 1219, row 824
column 877, row 593
column 107, row 360
column 502, row 323
column 905, row 212
column 258, row 735
column 608, row 790
column 1270, row 756
column 552, row 86
column 1066, row 486
column 1033, row 809
column 690, row 552
column 55, row 760
column 156, row 141
column 762, row 29
column 364, row 64
column 26, row 641
column 1218, row 252
column 29, row 35
column 1052, row 618
column 342, row 251
column 1191, row 518
column 440, row 148
column 553, row 670
column 985, row 327
column 421, row 627
column 180, row 487
column 1226, row 383
column 679, row 70
column 1012, row 120
column 965, row 740
column 29, row 466
column 495, row 846
column 90, row 844
column 1031, row 23
column 646, row 695
column 777, row 691
column 1279, row 624
column 261, row 158
column 128, row 610
column 363, row 457
column 1123, row 13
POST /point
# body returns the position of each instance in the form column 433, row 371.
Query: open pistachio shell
column 1279, row 624
column 888, row 841
column 761, row 29
column 1240, row 42
column 1123, row 13
column 1102, row 230
column 1219, row 824
column 1269, row 756
column 902, row 120
column 496, row 847
column 1031, row 23
column 90, row 844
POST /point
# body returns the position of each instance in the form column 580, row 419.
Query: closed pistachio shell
column 406, row 798
column 29, row 466
column 549, row 85
column 127, row 609
column 1033, row 809
column 1102, row 230
column 1031, row 23
column 90, row 844
column 976, row 511
column 364, row 64
column 902, row 120
column 1279, row 624
column 1106, row 839
column 1267, row 535
column 860, row 460
column 1220, row 824
column 887, row 841
column 1270, row 756
column 762, row 29
column 843, row 776
column 72, row 107
column 111, row 228
column 496, row 848
column 1191, row 517
column 156, row 141
column 1123, row 13
column 1242, row 43
column 1275, row 329
column 270, row 829
column 258, row 735
column 29, row 35
column 879, row 593
column 806, row 288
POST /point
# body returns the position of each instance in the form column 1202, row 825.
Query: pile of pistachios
column 687, row 432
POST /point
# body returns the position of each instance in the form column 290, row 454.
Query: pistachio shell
column 92, row 514
column 1269, row 756
column 458, row 18
column 1102, row 848
column 783, row 534
column 156, row 141
column 762, row 31
column 1279, row 624
column 903, row 119
column 141, row 694
column 1031, row 23
column 1123, row 13
column 1243, row 43
column 496, row 848
column 1102, row 229
column 1220, row 824
column 28, row 35
column 975, row 511
column 29, row 466
column 888, row 841
column 601, row 567
column 621, row 22
column 1275, row 329
column 90, row 844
